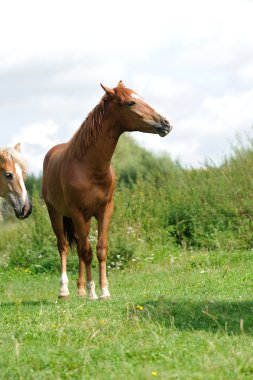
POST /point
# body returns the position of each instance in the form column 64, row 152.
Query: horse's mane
column 87, row 133
column 15, row 156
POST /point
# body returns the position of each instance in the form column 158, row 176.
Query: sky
column 190, row 60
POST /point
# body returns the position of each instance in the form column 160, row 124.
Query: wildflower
column 154, row 373
column 139, row 307
column 102, row 322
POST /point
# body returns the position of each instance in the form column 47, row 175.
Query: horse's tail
column 69, row 230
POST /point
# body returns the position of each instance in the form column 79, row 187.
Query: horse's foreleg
column 63, row 250
column 85, row 258
column 104, row 218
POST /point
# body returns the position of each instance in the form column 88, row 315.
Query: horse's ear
column 121, row 84
column 17, row 147
column 108, row 90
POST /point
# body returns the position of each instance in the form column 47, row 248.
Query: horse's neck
column 99, row 155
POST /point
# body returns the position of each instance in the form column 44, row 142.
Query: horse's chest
column 97, row 197
column 94, row 198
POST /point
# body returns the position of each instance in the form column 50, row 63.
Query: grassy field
column 189, row 316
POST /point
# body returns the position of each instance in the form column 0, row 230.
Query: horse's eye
column 130, row 104
column 9, row 176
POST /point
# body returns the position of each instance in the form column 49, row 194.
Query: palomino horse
column 78, row 180
column 12, row 176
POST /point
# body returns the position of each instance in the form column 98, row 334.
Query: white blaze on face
column 21, row 181
column 135, row 96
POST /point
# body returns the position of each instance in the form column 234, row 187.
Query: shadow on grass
column 233, row 318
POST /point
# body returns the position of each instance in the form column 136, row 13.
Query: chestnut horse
column 78, row 180
column 12, row 187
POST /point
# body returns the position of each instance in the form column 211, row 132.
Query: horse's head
column 12, row 176
column 133, row 113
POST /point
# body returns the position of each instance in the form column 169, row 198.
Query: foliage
column 132, row 162
column 32, row 183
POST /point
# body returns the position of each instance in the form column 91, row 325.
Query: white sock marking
column 64, row 291
column 105, row 292
column 91, row 290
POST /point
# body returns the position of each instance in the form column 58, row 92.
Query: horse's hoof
column 105, row 294
column 81, row 293
column 63, row 297
column 94, row 297
column 104, row 298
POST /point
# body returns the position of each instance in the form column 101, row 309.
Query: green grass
column 187, row 317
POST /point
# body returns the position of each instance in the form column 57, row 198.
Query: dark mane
column 88, row 131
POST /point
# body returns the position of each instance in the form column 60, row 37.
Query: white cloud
column 209, row 132
column 230, row 111
column 36, row 140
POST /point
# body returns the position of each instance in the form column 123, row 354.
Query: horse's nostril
column 166, row 122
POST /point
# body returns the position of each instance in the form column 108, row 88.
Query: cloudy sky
column 191, row 60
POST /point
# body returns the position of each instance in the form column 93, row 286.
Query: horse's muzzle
column 25, row 211
column 164, row 128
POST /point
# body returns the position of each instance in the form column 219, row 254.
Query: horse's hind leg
column 84, row 250
column 104, row 218
column 57, row 225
